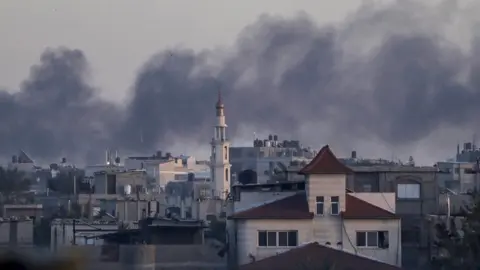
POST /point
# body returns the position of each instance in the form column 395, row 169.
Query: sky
column 118, row 38
column 118, row 48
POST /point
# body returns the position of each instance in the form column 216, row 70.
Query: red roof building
column 325, row 213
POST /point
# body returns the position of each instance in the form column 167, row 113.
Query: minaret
column 220, row 159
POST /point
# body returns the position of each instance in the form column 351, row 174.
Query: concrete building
column 220, row 155
column 118, row 182
column 165, row 168
column 267, row 158
column 416, row 192
column 325, row 212
column 457, row 176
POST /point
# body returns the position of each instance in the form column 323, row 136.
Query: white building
column 219, row 158
column 325, row 212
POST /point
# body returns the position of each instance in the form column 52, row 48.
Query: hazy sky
column 118, row 36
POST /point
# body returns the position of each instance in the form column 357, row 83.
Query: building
column 267, row 158
column 166, row 168
column 22, row 162
column 416, row 191
column 325, row 212
column 220, row 154
column 457, row 176
column 119, row 182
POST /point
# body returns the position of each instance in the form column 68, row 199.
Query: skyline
column 330, row 64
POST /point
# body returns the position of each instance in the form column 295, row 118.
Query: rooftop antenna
column 474, row 147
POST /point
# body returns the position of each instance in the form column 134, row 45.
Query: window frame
column 405, row 191
column 320, row 200
column 277, row 239
column 337, row 203
column 378, row 245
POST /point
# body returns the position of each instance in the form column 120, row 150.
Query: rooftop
column 325, row 162
column 316, row 256
column 296, row 207
column 292, row 207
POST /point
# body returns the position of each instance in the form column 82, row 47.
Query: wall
column 247, row 236
column 392, row 255
column 326, row 228
column 24, row 233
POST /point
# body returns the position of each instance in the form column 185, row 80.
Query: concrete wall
column 16, row 233
column 391, row 255
column 326, row 228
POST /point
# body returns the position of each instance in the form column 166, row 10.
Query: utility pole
column 74, row 232
column 477, row 168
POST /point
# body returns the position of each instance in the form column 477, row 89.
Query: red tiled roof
column 356, row 208
column 325, row 162
column 315, row 256
column 292, row 207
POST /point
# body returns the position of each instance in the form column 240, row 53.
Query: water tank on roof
column 275, row 137
column 270, row 137
column 127, row 189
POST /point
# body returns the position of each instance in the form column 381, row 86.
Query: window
column 367, row 188
column 320, row 204
column 225, row 149
column 277, row 239
column 411, row 236
column 408, row 191
column 372, row 239
column 457, row 170
column 226, row 175
column 335, row 204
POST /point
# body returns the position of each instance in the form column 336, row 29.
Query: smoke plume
column 388, row 73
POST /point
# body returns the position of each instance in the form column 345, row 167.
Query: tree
column 459, row 248
column 12, row 183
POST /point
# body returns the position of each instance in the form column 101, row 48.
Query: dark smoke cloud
column 386, row 73
column 55, row 113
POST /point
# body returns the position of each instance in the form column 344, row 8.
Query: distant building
column 165, row 168
column 22, row 162
column 268, row 158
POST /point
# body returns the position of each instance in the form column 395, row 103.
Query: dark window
column 272, row 239
column 111, row 184
column 410, row 236
column 292, row 238
column 361, row 239
column 457, row 170
column 320, row 204
column 372, row 239
column 335, row 201
column 283, row 239
column 383, row 239
column 262, row 239
column 225, row 149
column 280, row 239
column 227, row 176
